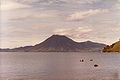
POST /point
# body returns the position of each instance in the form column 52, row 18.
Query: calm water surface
column 59, row 66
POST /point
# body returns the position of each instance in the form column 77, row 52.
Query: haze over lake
column 59, row 66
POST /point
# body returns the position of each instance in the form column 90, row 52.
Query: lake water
column 59, row 66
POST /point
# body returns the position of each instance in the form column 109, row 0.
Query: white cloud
column 11, row 5
column 85, row 1
column 34, row 15
column 77, row 16
column 44, row 15
column 57, row 1
column 75, row 33
column 117, row 6
column 28, row 14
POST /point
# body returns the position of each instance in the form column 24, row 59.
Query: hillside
column 115, row 47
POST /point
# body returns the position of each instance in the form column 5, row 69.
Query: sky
column 29, row 22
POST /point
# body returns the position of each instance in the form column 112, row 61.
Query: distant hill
column 60, row 43
column 115, row 47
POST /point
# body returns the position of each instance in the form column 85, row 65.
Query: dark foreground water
column 59, row 66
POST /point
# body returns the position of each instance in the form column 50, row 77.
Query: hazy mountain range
column 59, row 43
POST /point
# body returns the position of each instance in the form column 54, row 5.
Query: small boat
column 81, row 60
column 95, row 65
column 91, row 59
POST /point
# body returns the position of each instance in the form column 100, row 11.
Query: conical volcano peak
column 58, row 36
column 89, row 41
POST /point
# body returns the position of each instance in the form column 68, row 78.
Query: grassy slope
column 113, row 48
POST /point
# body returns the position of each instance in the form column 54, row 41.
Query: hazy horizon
column 29, row 22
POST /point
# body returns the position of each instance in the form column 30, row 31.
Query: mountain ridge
column 59, row 43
